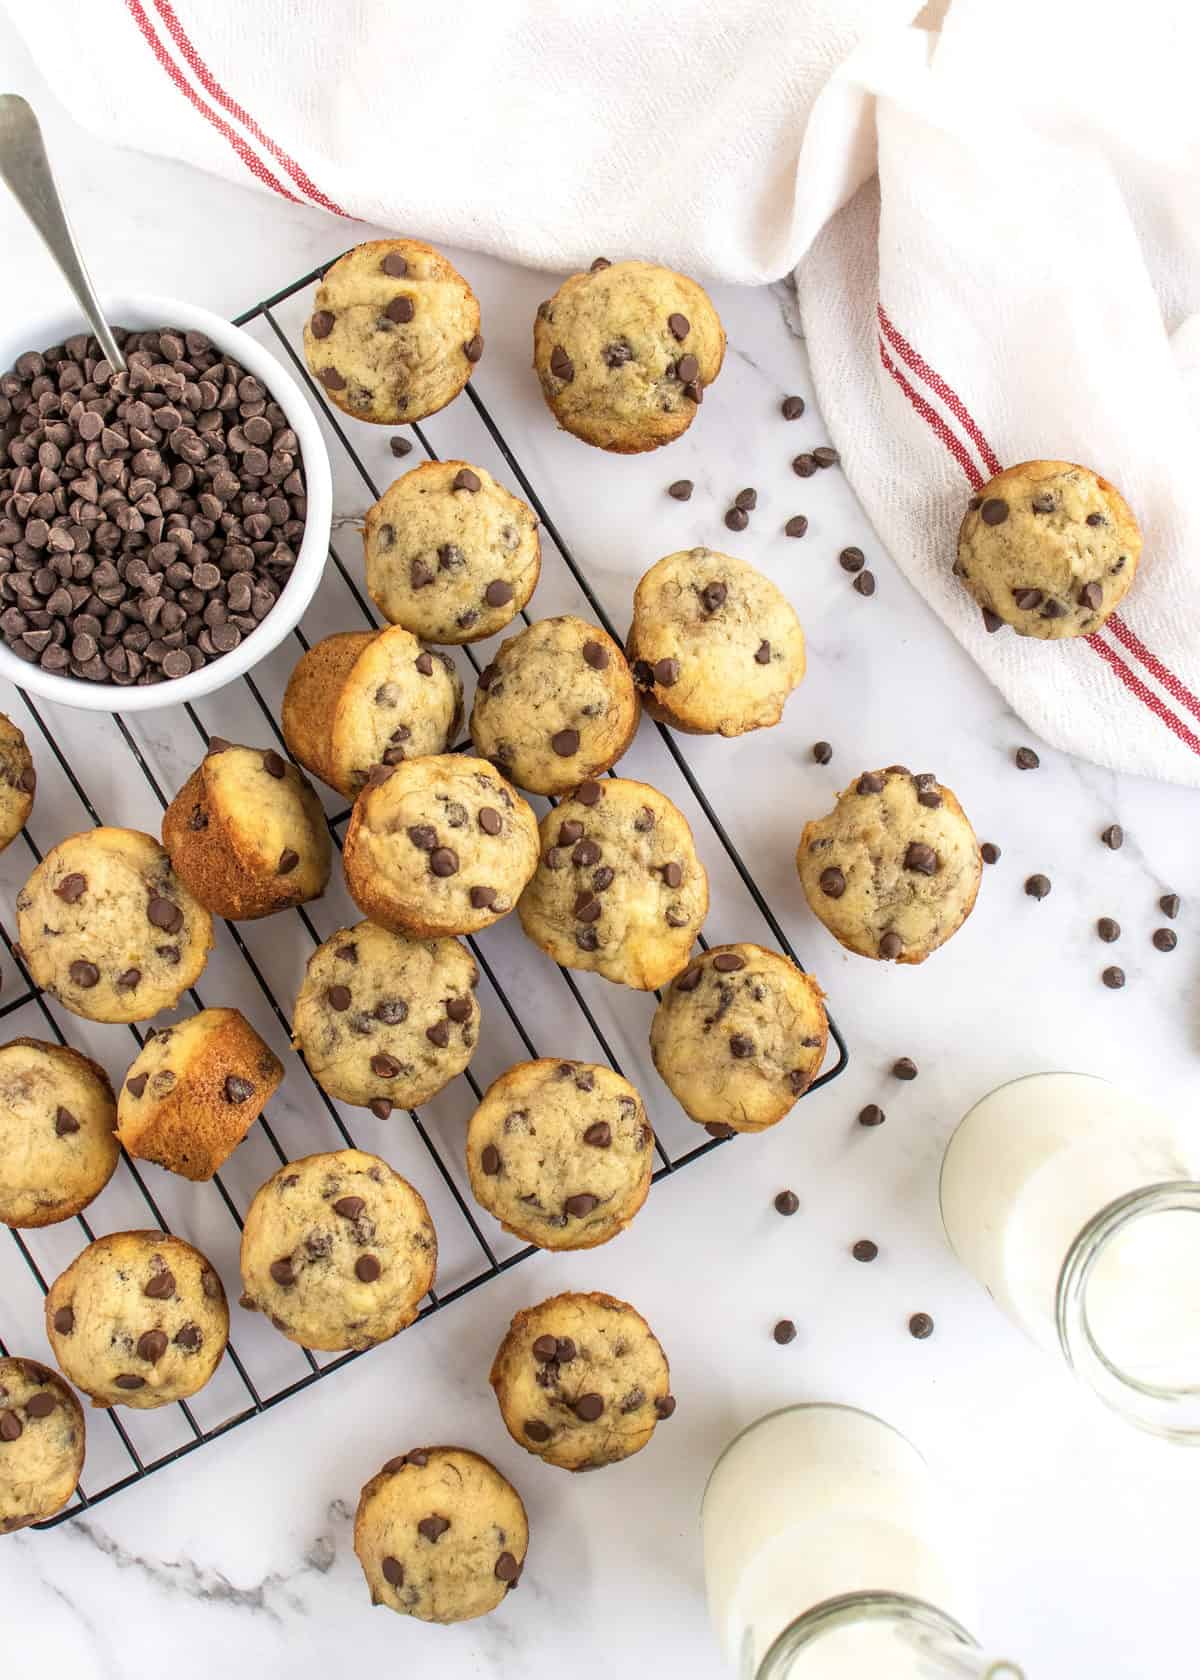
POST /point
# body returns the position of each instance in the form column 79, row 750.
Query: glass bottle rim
column 851, row 1609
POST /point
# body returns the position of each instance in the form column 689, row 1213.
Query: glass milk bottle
column 829, row 1554
column 1076, row 1206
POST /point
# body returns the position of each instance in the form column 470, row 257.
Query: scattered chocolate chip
column 1108, row 929
column 1026, row 759
column 904, row 1068
column 1113, row 837
column 920, row 1325
column 688, row 980
column 338, row 997
column 129, row 1381
column 598, row 264
column 852, row 559
column 129, row 979
column 713, row 596
column 865, row 1250
column 728, row 962
column 796, row 526
column 1169, row 904
column 804, row 466
column 989, row 853
column 1113, row 978
column 672, row 874
column 681, row 490
column 400, row 447
column 664, row 1406
column 737, row 519
column 482, row 898
column 994, row 511
column 871, row 1115
column 746, row 499
column 1038, row 886
column 784, row 1332
column 400, row 310
column 741, row 1047
column 459, row 1008
column 864, row 583
column 1164, row 939
column 792, row 408
column 822, row 752
column 787, row 1202
column 1096, row 519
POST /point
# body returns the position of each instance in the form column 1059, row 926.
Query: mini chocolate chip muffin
column 738, row 1036
column 894, row 868
column 439, row 846
column 109, row 929
column 440, row 1534
column 581, row 1381
column 57, row 1145
column 561, row 1153
column 394, row 333
column 194, row 1091
column 42, row 1439
column 619, row 888
column 1049, row 548
column 716, row 649
column 384, row 1021
column 338, row 1251
column 624, row 352
column 247, row 834
column 451, row 555
column 18, row 782
column 138, row 1319
column 369, row 697
column 555, row 706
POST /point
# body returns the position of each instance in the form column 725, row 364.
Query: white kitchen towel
column 993, row 215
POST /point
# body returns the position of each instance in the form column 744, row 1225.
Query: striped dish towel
column 992, row 211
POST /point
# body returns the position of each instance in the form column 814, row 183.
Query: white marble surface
column 1084, row 1530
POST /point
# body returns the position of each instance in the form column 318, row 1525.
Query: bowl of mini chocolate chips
column 161, row 528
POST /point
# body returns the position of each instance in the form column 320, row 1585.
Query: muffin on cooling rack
column 247, row 834
column 18, row 782
column 438, row 846
column 369, row 697
column 894, row 868
column 624, row 353
column 716, row 649
column 338, row 1251
column 450, row 553
column 555, row 706
column 619, row 888
column 385, row 1021
column 581, row 1381
column 42, row 1437
column 561, row 1153
column 138, row 1319
column 738, row 1036
column 194, row 1091
column 394, row 332
column 440, row 1535
column 57, row 1145
column 108, row 927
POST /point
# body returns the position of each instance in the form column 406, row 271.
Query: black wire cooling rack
column 251, row 969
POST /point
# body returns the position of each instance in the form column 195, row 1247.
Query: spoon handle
column 25, row 170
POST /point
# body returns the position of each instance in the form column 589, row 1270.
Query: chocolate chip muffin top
column 138, row 1319
column 109, row 929
column 439, row 846
column 624, row 353
column 715, row 647
column 394, row 332
column 561, row 1152
column 581, row 1381
column 42, row 1435
column 619, row 888
column 894, row 868
column 338, row 1250
column 385, row 1021
column 57, row 1145
column 738, row 1036
column 18, row 782
column 1049, row 548
column 440, row 1535
column 450, row 553
column 555, row 706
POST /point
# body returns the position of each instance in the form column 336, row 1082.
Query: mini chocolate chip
column 737, row 519
column 822, row 752
column 599, row 1135
column 1169, row 904
column 482, row 898
column 367, row 1268
column 688, row 980
column 904, row 1068
column 65, row 1122
column 588, row 793
column 349, row 1207
column 865, row 1250
column 921, row 859
column 160, row 1286
column 864, row 583
column 1096, row 519
column 152, row 1344
column 490, row 1160
column 1113, row 837
column 890, row 946
column 423, row 837
column 384, row 1067
column 507, row 1569
column 432, row 1528
column 71, row 888
column 465, row 479
column 784, row 1332
column 792, row 408
column 589, row 1407
column 869, row 782
column 237, row 1089
column 578, row 1207
column 687, row 369
column 1028, row 599
column 1038, row 886
column 458, row 1008
column 498, row 593
column 787, row 1202
column 565, row 742
column 283, row 1272
column 666, row 672
column 1165, row 939
column 394, row 265
column 992, row 621
column 288, row 859
column 596, row 656
column 762, row 654
column 672, row 874
column 989, row 853
column 536, row 1430
column 718, row 1129
column 338, row 997
column 129, row 1381
column 680, row 326
column 473, row 348
column 741, row 1047
column 871, row 1115
column 380, row 1107
column 85, row 975
column 1091, row 596
column 443, row 861
column 1026, row 759
column 400, row 446
column 728, row 962
column 920, row 1325
column 438, row 1034
column 561, row 365
column 804, row 466
column 832, row 882
column 1108, row 929
column 1113, row 978
column 681, row 490
column 400, row 310
column 64, row 1321
column 392, row 1569
column 994, row 511
column 11, row 1427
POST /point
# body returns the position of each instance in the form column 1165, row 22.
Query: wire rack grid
column 587, row 1018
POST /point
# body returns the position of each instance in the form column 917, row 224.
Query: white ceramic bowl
column 139, row 312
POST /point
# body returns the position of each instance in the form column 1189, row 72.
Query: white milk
column 813, row 1503
column 1029, row 1167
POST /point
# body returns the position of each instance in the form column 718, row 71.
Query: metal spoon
column 25, row 170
